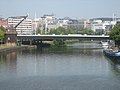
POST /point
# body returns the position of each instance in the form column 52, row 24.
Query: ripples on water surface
column 76, row 67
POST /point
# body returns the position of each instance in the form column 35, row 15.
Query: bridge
column 37, row 39
column 71, row 36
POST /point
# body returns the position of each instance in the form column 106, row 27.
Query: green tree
column 63, row 31
column 71, row 31
column 58, row 31
column 86, row 31
column 115, row 33
column 58, row 42
column 2, row 32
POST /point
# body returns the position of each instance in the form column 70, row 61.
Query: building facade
column 24, row 28
column 3, row 22
column 102, row 25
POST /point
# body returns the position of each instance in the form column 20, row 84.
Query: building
column 63, row 22
column 36, row 24
column 97, row 26
column 102, row 25
column 78, row 24
column 45, row 23
column 24, row 28
column 3, row 22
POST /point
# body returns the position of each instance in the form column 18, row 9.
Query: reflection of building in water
column 8, row 62
column 11, row 60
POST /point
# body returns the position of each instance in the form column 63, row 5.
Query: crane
column 24, row 17
column 10, row 37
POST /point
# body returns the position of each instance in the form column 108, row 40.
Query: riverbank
column 8, row 49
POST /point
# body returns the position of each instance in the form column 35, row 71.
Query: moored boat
column 105, row 44
column 113, row 55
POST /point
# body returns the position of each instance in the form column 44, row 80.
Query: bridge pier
column 40, row 44
column 30, row 42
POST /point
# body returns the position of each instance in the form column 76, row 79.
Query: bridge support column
column 41, row 42
column 30, row 42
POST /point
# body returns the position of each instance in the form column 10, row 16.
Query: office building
column 24, row 28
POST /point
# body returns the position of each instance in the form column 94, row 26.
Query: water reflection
column 61, row 61
column 66, row 61
column 115, row 70
column 8, row 64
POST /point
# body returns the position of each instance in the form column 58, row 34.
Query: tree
column 115, row 33
column 63, row 31
column 58, row 31
column 86, row 31
column 58, row 42
column 71, row 31
column 2, row 32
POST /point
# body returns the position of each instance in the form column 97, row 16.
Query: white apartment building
column 97, row 25
column 24, row 28
column 49, row 17
column 102, row 26
column 45, row 23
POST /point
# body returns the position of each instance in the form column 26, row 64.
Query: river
column 79, row 66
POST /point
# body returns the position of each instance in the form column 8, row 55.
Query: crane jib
column 24, row 17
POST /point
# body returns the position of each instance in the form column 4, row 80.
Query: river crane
column 10, row 37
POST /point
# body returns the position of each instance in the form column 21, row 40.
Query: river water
column 79, row 66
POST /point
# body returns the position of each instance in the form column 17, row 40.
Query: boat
column 105, row 44
column 113, row 55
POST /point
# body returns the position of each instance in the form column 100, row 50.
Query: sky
column 60, row 8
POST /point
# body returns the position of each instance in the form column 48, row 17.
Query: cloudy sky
column 61, row 8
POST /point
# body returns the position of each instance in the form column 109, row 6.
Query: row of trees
column 63, row 31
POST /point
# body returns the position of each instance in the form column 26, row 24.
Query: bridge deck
column 100, row 37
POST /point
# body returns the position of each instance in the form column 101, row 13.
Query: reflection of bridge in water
column 40, row 38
